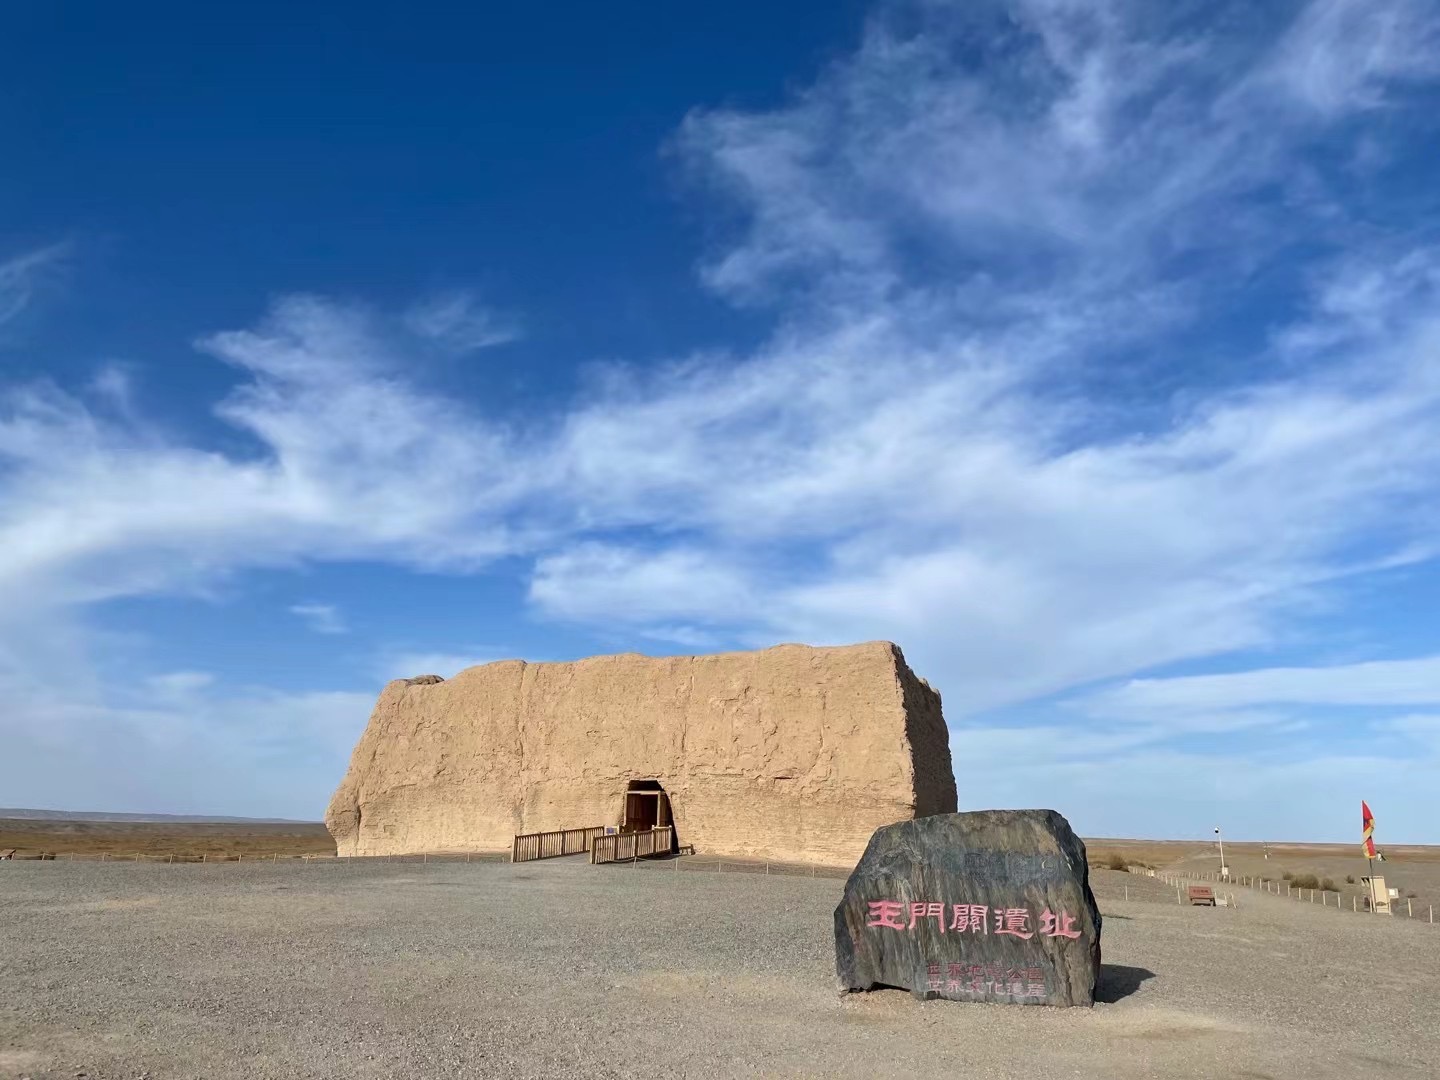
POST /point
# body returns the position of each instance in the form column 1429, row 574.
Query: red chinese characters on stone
column 1034, row 982
column 969, row 917
column 1014, row 921
column 986, row 980
column 928, row 910
column 886, row 913
column 1062, row 925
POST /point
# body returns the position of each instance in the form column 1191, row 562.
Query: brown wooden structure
column 550, row 845
column 646, row 828
column 626, row 846
column 646, row 807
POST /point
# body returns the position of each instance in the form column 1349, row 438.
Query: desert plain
column 323, row 967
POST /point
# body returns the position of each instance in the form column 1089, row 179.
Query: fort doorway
column 646, row 807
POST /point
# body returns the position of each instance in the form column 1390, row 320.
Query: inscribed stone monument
column 993, row 905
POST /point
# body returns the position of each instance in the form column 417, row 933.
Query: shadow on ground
column 1118, row 981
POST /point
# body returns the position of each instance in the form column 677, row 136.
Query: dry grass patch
column 186, row 841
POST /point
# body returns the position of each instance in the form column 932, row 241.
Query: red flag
column 1367, row 822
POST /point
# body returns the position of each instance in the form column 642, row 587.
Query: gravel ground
column 562, row 969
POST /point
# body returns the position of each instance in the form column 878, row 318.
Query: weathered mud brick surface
column 993, row 905
column 791, row 753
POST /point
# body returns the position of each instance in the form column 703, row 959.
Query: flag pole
column 1367, row 822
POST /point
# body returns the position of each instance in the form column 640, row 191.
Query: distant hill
column 13, row 814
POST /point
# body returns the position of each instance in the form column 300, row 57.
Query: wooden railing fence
column 550, row 845
column 617, row 847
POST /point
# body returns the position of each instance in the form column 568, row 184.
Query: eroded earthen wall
column 790, row 753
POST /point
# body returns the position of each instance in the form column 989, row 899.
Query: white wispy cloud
column 1423, row 729
column 955, row 508
column 1347, row 55
column 187, row 743
column 179, row 683
column 1375, row 682
column 21, row 275
column 356, row 462
column 322, row 618
column 598, row 581
column 460, row 322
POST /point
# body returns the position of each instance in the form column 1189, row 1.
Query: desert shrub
column 1411, row 894
column 1287, row 875
column 1116, row 862
column 1349, row 879
column 1305, row 881
column 1328, row 886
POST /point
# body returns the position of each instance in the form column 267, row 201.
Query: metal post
column 1409, row 911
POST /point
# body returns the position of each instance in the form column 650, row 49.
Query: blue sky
column 1090, row 351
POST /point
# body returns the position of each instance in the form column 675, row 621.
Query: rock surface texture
column 790, row 753
column 993, row 905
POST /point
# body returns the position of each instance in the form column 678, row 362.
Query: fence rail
column 1283, row 888
column 636, row 845
column 550, row 845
